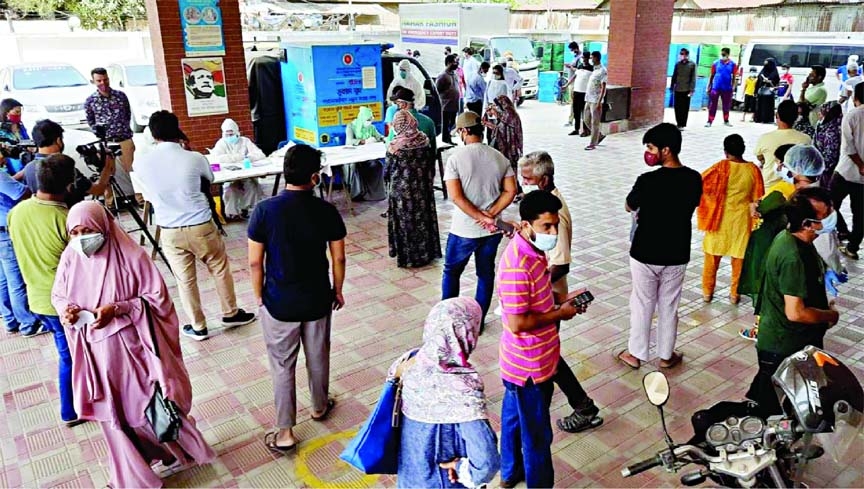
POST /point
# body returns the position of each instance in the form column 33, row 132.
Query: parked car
column 55, row 91
column 138, row 82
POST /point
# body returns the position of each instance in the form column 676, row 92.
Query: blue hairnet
column 805, row 159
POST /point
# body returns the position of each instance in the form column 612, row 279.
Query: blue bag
column 375, row 448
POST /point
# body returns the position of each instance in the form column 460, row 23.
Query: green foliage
column 94, row 14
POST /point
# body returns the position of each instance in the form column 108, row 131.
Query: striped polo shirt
column 524, row 285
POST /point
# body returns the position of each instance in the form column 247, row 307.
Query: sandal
column 749, row 333
column 270, row 443
column 590, row 147
column 577, row 422
column 625, row 362
column 327, row 410
column 672, row 362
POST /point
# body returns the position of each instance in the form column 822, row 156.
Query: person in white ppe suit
column 240, row 196
column 403, row 78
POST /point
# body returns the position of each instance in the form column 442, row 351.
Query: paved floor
column 384, row 314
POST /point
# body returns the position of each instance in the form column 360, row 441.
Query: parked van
column 800, row 56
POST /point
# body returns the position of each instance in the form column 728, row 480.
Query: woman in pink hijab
column 114, row 367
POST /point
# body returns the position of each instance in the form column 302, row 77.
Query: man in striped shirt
column 529, row 349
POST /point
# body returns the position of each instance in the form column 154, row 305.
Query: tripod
column 124, row 202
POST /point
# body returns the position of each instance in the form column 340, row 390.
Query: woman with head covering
column 728, row 189
column 506, row 125
column 497, row 86
column 367, row 178
column 241, row 196
column 403, row 78
column 412, row 220
column 801, row 167
column 766, row 82
column 446, row 437
column 132, row 344
column 827, row 139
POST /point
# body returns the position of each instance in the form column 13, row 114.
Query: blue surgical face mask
column 828, row 224
column 544, row 242
column 232, row 139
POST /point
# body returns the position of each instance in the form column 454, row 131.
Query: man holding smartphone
column 538, row 173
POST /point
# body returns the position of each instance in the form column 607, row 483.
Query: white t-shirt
column 595, row 84
column 851, row 142
column 481, row 170
column 172, row 180
column 849, row 91
column 581, row 83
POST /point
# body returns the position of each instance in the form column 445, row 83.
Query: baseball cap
column 467, row 119
column 403, row 94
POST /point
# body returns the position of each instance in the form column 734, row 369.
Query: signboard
column 204, row 82
column 201, row 21
column 430, row 31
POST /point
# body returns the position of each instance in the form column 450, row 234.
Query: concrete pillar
column 639, row 35
column 166, row 37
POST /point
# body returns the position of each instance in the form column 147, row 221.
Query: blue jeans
column 459, row 251
column 67, row 409
column 13, row 293
column 526, row 434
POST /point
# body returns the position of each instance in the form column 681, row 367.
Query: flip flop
column 674, row 361
column 327, row 410
column 270, row 443
column 625, row 362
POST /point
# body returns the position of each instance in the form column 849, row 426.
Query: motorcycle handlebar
column 641, row 466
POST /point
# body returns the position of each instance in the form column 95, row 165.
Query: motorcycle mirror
column 656, row 387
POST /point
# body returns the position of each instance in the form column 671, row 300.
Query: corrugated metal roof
column 543, row 5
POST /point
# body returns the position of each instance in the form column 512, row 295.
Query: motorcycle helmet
column 819, row 391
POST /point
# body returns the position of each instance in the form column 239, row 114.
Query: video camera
column 97, row 152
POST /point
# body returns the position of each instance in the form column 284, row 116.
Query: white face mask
column 527, row 188
column 367, row 124
column 87, row 244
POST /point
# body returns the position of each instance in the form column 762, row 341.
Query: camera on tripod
column 96, row 153
column 11, row 148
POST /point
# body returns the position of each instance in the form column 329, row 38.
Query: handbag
column 162, row 414
column 375, row 448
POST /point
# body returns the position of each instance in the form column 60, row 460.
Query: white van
column 800, row 56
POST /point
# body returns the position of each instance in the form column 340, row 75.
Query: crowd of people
column 69, row 268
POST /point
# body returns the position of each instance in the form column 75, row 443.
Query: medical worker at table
column 240, row 195
column 366, row 178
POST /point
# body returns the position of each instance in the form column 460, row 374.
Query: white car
column 138, row 82
column 55, row 91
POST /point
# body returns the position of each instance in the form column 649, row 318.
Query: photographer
column 12, row 131
column 48, row 136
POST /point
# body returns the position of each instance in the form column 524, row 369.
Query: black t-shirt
column 295, row 228
column 80, row 188
column 666, row 199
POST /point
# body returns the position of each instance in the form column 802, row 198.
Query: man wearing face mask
column 720, row 85
column 683, row 84
column 529, row 351
column 37, row 227
column 476, row 90
column 448, row 91
column 813, row 92
column 792, row 304
column 404, row 78
column 767, row 144
column 189, row 234
column 538, row 173
column 666, row 199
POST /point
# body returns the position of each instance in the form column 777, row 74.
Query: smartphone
column 504, row 226
column 583, row 299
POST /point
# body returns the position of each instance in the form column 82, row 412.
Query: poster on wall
column 204, row 82
column 201, row 21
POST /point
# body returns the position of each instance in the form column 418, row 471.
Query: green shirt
column 792, row 268
column 38, row 231
column 816, row 95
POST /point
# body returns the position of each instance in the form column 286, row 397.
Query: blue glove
column 832, row 279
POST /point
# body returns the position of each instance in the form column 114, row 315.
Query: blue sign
column 201, row 21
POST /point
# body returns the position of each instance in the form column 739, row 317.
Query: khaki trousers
column 283, row 341
column 591, row 117
column 127, row 157
column 184, row 246
column 709, row 274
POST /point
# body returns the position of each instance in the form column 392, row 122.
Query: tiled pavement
column 384, row 314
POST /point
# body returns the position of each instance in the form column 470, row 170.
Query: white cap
column 230, row 125
column 405, row 65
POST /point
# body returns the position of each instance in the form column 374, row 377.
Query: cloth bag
column 375, row 448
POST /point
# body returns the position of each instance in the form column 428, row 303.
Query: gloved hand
column 833, row 279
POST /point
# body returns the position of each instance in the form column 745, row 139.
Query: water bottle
column 247, row 163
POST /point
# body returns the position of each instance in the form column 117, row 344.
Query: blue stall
column 674, row 49
column 325, row 85
column 548, row 89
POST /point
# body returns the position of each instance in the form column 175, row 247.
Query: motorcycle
column 738, row 445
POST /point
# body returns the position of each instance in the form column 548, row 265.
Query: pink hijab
column 122, row 273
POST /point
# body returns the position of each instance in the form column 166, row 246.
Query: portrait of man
column 200, row 83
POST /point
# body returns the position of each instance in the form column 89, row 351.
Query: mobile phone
column 583, row 299
column 504, row 226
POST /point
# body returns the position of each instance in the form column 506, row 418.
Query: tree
column 94, row 14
